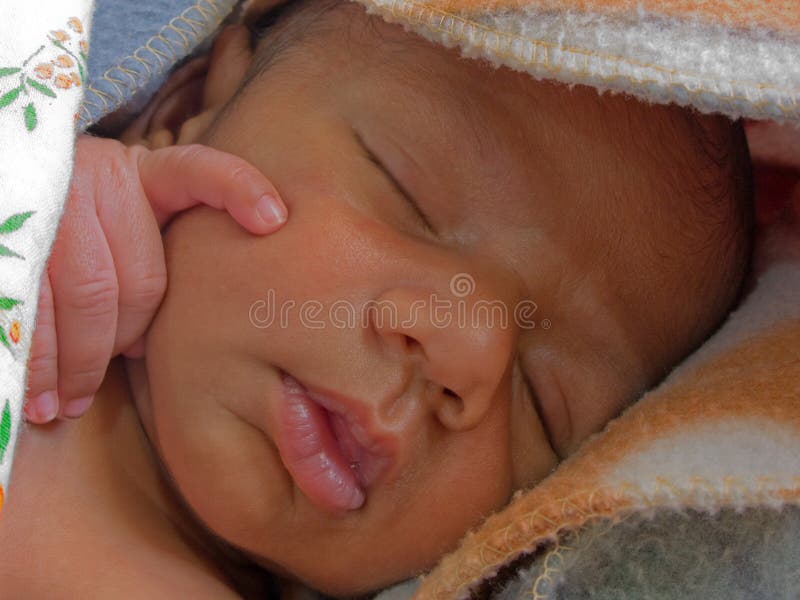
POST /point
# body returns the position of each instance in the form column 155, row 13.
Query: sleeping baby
column 478, row 272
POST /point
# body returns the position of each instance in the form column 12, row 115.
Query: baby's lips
column 311, row 453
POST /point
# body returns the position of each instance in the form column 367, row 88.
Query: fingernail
column 271, row 210
column 43, row 408
column 76, row 408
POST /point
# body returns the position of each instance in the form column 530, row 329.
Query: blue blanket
column 134, row 46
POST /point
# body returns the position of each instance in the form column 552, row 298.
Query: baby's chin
column 251, row 568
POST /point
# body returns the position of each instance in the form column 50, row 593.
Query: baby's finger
column 41, row 405
column 137, row 249
column 181, row 177
column 85, row 296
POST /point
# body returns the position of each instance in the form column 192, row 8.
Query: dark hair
column 286, row 25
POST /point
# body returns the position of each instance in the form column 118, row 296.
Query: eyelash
column 398, row 186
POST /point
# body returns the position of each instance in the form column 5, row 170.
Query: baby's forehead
column 346, row 44
column 346, row 39
column 508, row 118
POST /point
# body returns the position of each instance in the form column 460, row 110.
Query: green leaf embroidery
column 59, row 45
column 40, row 87
column 14, row 222
column 8, row 303
column 6, row 251
column 5, row 431
column 4, row 339
column 30, row 117
column 5, row 71
column 82, row 72
column 9, row 97
column 84, row 57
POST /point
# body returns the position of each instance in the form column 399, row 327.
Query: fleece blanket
column 738, row 57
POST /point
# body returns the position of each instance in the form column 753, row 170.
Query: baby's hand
column 107, row 274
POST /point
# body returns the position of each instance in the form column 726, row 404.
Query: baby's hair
column 286, row 25
column 717, row 175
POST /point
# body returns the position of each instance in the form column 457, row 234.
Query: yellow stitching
column 552, row 567
column 569, row 543
column 414, row 12
column 208, row 9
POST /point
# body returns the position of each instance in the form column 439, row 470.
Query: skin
column 539, row 209
column 106, row 275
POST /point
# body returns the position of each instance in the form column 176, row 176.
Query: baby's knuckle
column 115, row 172
column 148, row 291
column 85, row 376
column 241, row 171
column 189, row 156
column 42, row 366
column 95, row 297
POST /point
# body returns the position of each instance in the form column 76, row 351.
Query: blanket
column 737, row 57
column 43, row 70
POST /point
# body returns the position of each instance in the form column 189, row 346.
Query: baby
column 266, row 426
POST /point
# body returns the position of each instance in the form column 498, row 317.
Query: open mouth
column 328, row 446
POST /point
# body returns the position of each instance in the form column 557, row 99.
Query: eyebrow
column 399, row 186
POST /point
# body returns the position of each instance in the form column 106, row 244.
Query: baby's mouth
column 329, row 447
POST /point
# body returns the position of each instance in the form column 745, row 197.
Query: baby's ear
column 189, row 101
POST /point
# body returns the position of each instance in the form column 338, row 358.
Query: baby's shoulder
column 61, row 538
column 55, row 556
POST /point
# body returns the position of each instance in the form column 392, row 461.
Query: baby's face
column 513, row 319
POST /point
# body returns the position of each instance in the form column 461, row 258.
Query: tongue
column 312, row 454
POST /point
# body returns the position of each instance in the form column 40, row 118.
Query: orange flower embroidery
column 63, row 61
column 43, row 71
column 63, row 82
column 13, row 332
column 75, row 24
column 64, row 50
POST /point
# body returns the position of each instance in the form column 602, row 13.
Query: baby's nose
column 459, row 332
